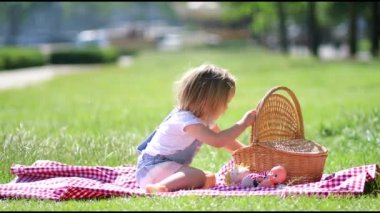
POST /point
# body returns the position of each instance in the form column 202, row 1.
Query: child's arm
column 266, row 183
column 232, row 146
column 224, row 138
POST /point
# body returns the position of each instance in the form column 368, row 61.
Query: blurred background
column 327, row 30
column 326, row 52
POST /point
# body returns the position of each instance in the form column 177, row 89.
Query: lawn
column 99, row 117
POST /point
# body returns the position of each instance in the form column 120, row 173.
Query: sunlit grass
column 99, row 117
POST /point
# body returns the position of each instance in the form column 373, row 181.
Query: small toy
column 241, row 175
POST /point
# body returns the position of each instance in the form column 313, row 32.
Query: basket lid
column 277, row 117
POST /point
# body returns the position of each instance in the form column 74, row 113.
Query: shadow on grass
column 372, row 188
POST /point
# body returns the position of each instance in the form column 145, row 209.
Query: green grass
column 99, row 117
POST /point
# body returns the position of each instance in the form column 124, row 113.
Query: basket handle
column 263, row 100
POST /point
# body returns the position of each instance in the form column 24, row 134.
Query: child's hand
column 248, row 118
column 266, row 183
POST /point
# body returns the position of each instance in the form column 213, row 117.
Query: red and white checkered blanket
column 57, row 181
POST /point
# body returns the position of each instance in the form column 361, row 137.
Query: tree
column 282, row 27
column 375, row 31
column 352, row 33
column 260, row 17
column 313, row 29
column 86, row 15
column 348, row 12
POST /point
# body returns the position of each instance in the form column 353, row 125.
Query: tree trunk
column 375, row 32
column 352, row 39
column 313, row 29
column 282, row 27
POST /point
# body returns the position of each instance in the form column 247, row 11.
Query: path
column 27, row 76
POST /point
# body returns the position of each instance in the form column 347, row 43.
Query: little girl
column 165, row 156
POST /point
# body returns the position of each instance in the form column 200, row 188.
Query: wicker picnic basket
column 277, row 138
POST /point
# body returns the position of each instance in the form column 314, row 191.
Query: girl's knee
column 194, row 173
column 207, row 178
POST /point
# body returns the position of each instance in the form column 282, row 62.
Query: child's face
column 217, row 113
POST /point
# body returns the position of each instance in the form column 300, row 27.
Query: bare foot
column 153, row 188
column 210, row 180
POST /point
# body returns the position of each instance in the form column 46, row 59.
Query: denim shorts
column 151, row 169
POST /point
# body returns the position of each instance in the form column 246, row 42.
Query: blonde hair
column 204, row 89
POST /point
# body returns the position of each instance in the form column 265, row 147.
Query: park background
column 132, row 52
